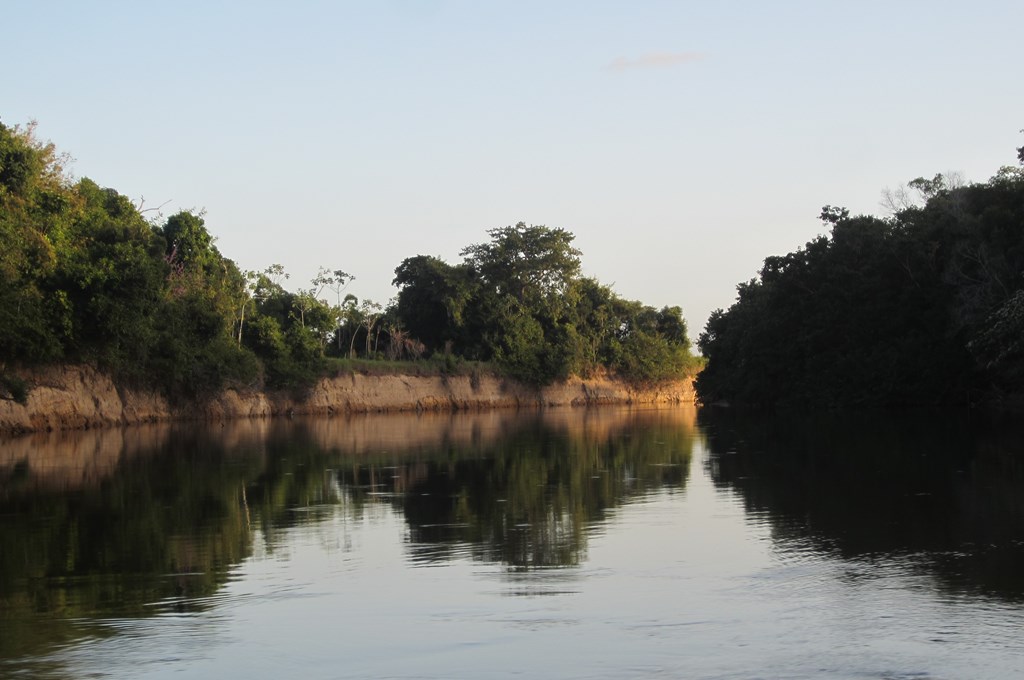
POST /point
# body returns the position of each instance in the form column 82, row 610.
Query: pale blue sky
column 681, row 142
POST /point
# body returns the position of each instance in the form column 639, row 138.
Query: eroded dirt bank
column 76, row 397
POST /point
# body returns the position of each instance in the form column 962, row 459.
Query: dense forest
column 923, row 307
column 88, row 276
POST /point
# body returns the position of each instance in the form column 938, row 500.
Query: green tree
column 188, row 242
column 536, row 265
column 111, row 274
column 36, row 203
column 519, row 300
column 920, row 308
column 433, row 299
column 527, row 276
column 336, row 281
column 84, row 276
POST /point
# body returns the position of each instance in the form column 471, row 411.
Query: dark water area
column 569, row 543
column 942, row 491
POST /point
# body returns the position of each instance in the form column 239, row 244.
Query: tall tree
column 36, row 205
column 534, row 264
column 433, row 299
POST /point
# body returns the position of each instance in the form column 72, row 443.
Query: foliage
column 920, row 308
column 433, row 299
column 84, row 276
column 34, row 205
column 519, row 300
column 535, row 264
column 998, row 346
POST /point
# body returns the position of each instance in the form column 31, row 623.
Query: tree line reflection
column 124, row 523
column 942, row 492
column 127, row 523
column 520, row 489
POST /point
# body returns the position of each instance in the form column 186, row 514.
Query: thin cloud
column 654, row 60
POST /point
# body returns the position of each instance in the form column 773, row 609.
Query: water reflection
column 518, row 488
column 127, row 523
column 444, row 546
column 942, row 494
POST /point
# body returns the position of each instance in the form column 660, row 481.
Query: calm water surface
column 609, row 543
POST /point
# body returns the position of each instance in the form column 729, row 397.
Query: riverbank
column 80, row 397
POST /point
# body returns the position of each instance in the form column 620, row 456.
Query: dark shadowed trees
column 433, row 298
column 920, row 308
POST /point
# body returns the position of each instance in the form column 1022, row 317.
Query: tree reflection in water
column 130, row 522
column 940, row 492
column 517, row 488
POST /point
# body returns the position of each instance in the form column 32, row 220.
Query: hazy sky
column 682, row 142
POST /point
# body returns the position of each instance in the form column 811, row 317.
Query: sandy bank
column 77, row 397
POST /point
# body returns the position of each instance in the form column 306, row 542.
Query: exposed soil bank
column 76, row 397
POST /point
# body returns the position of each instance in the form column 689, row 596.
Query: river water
column 566, row 543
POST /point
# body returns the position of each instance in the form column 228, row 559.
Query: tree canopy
column 923, row 307
column 519, row 300
column 85, row 276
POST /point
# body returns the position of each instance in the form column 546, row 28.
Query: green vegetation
column 924, row 307
column 519, row 300
column 86, row 277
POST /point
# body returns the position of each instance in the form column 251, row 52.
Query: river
column 566, row 543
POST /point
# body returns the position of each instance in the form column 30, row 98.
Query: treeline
column 520, row 300
column 86, row 277
column 923, row 307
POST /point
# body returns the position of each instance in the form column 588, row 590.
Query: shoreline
column 76, row 397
